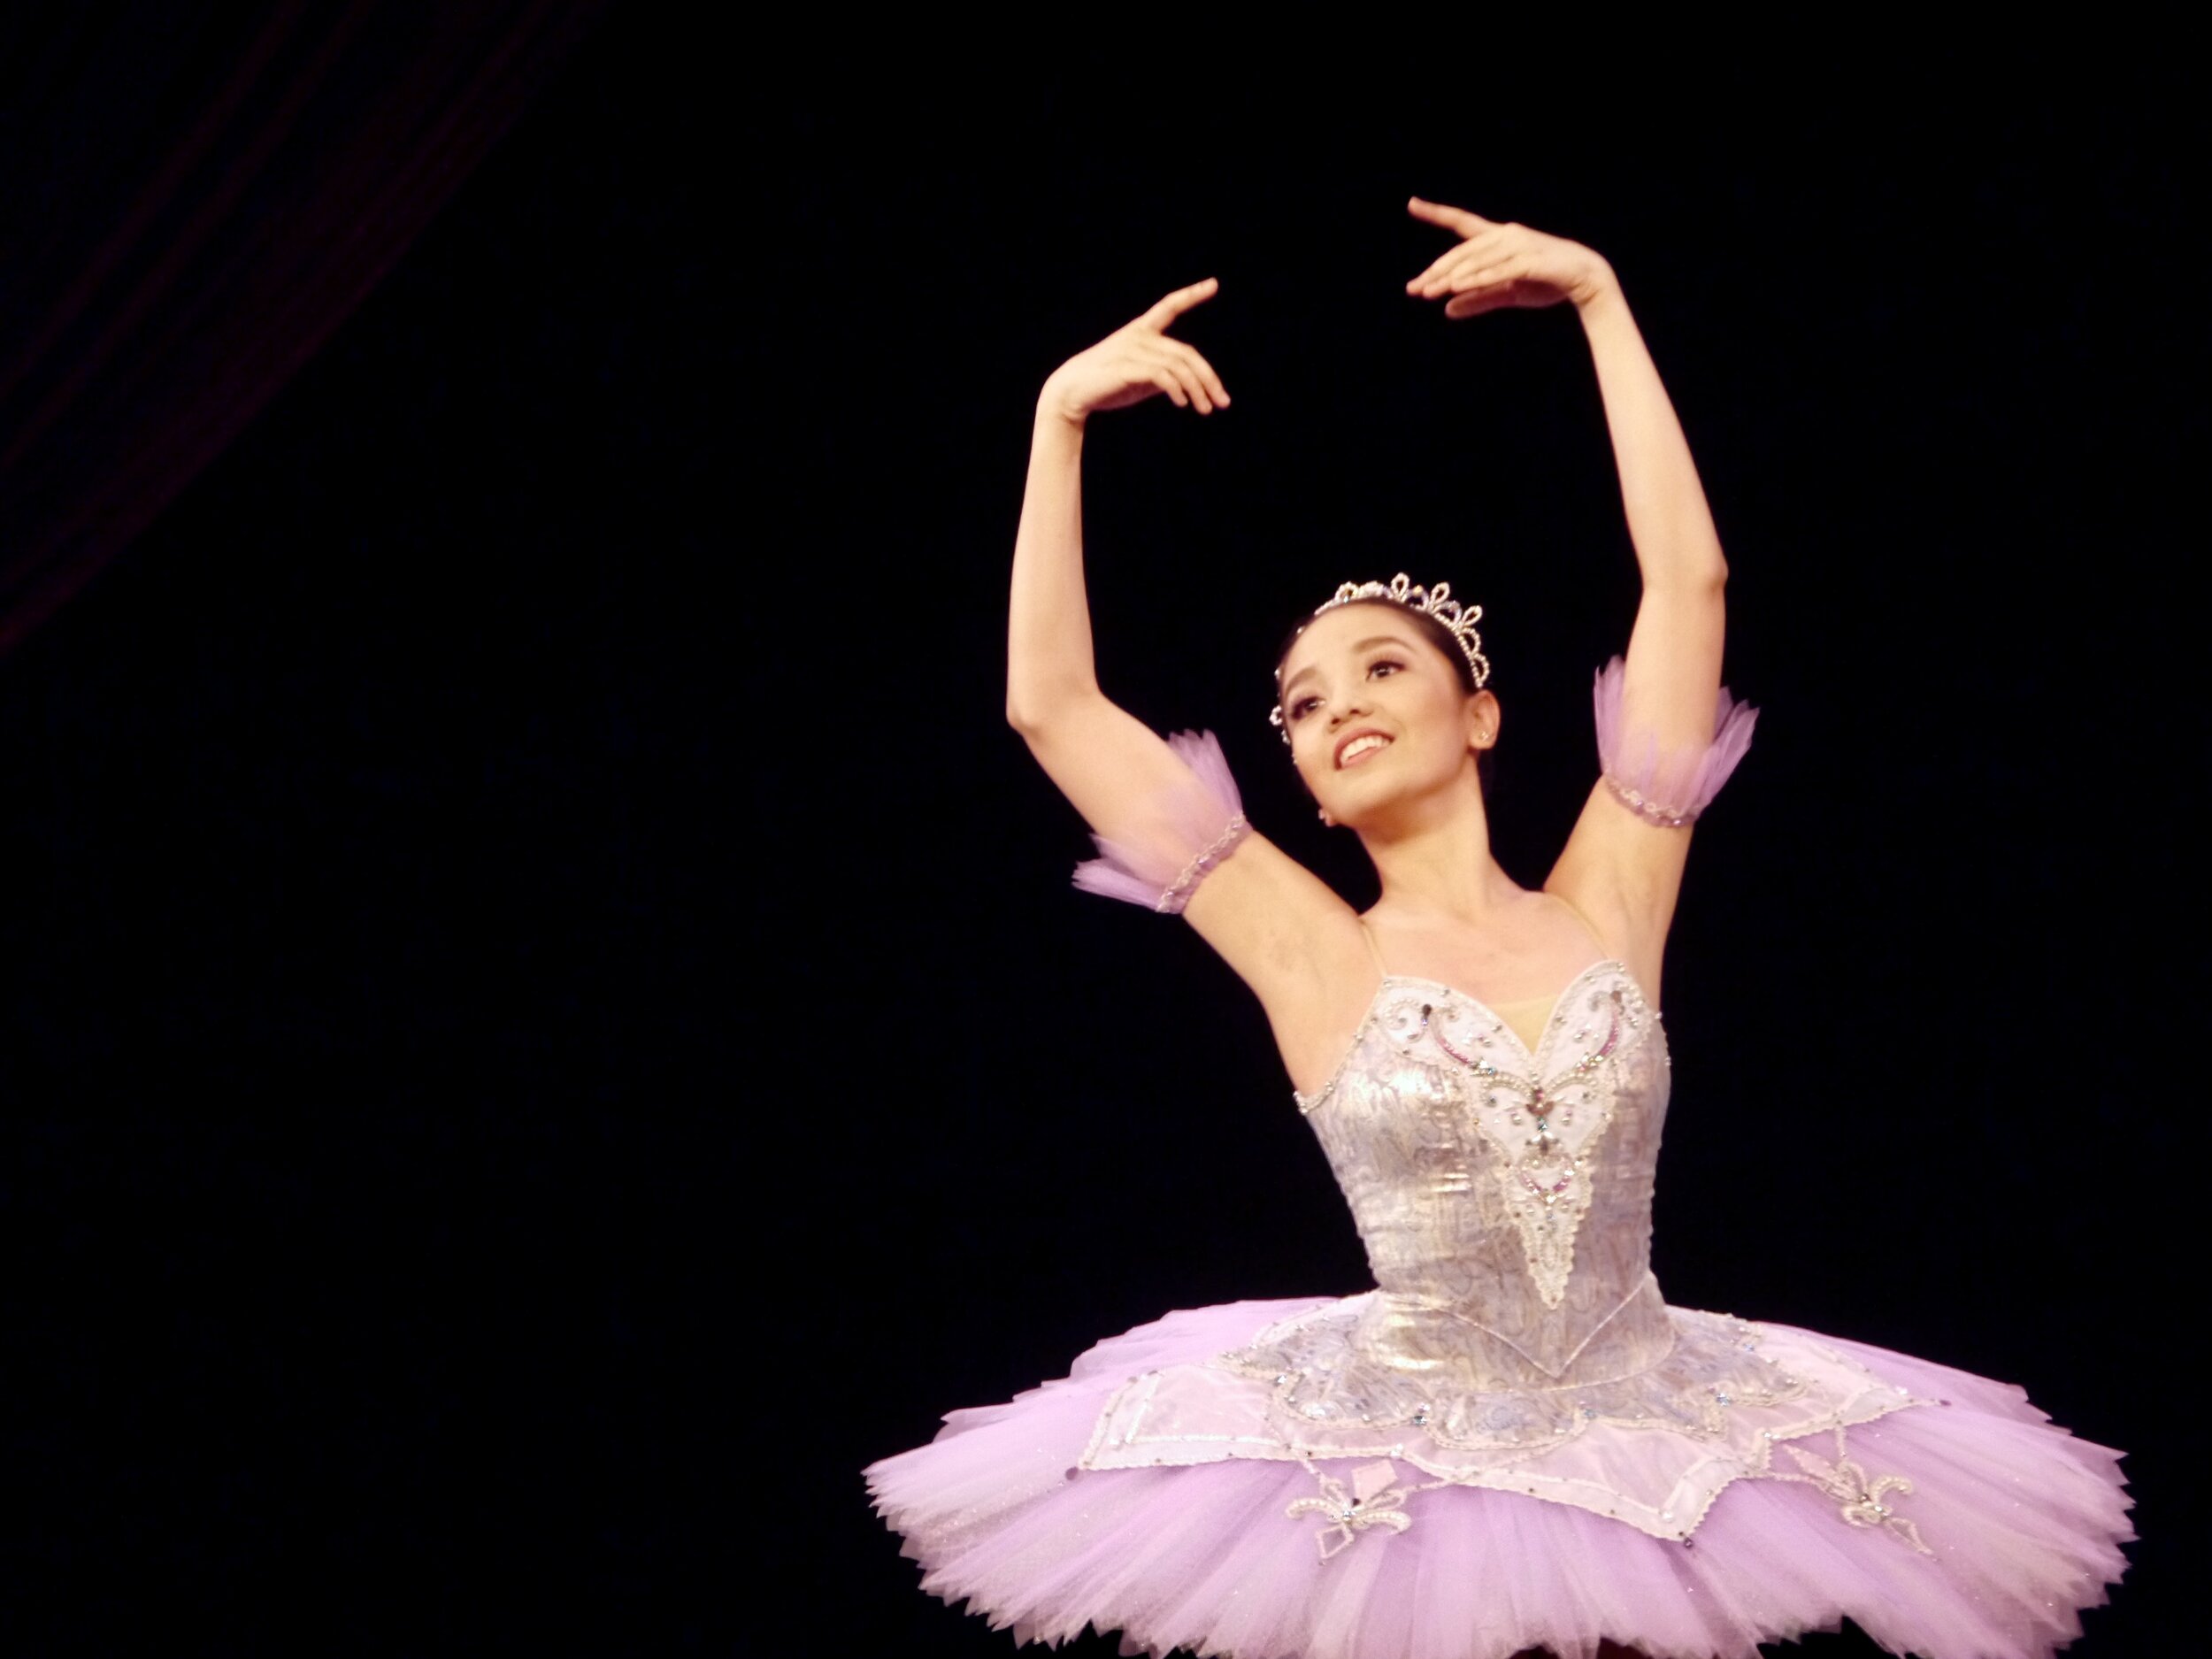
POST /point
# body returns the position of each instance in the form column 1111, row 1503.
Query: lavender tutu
column 1513, row 1441
column 2023, row 1521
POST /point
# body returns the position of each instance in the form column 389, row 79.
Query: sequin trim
column 1651, row 811
column 1178, row 891
column 1320, row 1383
column 1689, row 1478
column 1858, row 1498
column 1372, row 1500
column 1546, row 1177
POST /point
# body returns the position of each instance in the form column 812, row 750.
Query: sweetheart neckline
column 1307, row 1102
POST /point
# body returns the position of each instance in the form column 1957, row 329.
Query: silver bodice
column 1504, row 1196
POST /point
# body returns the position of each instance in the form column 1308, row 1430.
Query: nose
column 1354, row 705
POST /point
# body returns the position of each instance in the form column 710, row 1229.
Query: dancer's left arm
column 1617, row 868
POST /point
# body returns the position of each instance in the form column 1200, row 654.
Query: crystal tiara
column 1436, row 604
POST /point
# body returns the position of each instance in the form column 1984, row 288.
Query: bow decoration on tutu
column 1859, row 1500
column 1371, row 1501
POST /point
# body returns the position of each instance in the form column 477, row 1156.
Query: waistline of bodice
column 1420, row 1336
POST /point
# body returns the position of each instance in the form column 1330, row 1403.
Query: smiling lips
column 1359, row 745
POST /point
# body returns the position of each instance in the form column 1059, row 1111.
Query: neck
column 1433, row 856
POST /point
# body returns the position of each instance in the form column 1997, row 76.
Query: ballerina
column 1513, row 1443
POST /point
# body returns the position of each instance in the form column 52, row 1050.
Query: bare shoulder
column 1297, row 944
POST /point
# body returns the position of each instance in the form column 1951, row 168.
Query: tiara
column 1436, row 604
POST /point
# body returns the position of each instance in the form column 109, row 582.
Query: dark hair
column 1437, row 634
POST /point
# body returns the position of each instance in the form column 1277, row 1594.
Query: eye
column 1302, row 707
column 1381, row 663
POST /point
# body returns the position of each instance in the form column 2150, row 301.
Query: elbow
column 1028, row 709
column 1033, row 709
column 1707, row 581
column 1031, row 717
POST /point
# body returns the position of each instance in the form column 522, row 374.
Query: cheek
column 1435, row 726
column 1316, row 764
column 1446, row 708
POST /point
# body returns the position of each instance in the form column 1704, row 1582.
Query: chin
column 1353, row 807
column 1354, row 801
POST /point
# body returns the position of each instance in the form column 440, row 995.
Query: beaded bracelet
column 1179, row 892
column 1650, row 811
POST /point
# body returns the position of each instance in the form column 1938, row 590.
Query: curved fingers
column 1156, row 358
column 1526, row 292
column 1484, row 272
column 1489, row 300
column 1477, row 249
column 1190, row 357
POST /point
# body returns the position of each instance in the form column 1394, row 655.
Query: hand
column 1137, row 361
column 1500, row 264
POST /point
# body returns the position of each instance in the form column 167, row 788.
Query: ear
column 1484, row 717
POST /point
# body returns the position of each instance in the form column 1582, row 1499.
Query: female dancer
column 1513, row 1443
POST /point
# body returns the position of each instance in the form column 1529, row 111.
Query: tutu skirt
column 2018, row 1526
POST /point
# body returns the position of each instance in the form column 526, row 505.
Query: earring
column 1325, row 818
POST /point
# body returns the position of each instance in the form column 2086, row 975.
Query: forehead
column 1334, row 633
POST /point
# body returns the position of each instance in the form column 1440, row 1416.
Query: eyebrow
column 1373, row 640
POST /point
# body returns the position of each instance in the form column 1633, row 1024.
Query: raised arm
column 1104, row 760
column 1621, row 866
column 1285, row 933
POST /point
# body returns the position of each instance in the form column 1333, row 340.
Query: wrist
column 1600, row 293
column 1053, row 407
column 1057, row 428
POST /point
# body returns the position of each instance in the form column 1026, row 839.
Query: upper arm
column 1118, row 772
column 1624, row 874
column 1281, row 928
column 1618, row 867
column 1299, row 947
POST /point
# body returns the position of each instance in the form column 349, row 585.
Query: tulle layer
column 2023, row 1522
column 1669, row 786
column 1192, row 829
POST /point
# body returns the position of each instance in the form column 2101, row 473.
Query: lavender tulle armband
column 1670, row 788
column 1199, row 826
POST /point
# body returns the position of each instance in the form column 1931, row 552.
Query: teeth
column 1360, row 746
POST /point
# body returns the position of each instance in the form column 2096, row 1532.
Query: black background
column 544, row 1022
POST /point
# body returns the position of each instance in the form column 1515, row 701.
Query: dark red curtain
column 191, row 198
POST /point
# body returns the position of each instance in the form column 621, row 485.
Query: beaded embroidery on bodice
column 1472, row 1165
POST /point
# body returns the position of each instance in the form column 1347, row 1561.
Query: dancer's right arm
column 1287, row 934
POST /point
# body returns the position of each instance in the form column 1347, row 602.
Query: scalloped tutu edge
column 2025, row 1521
